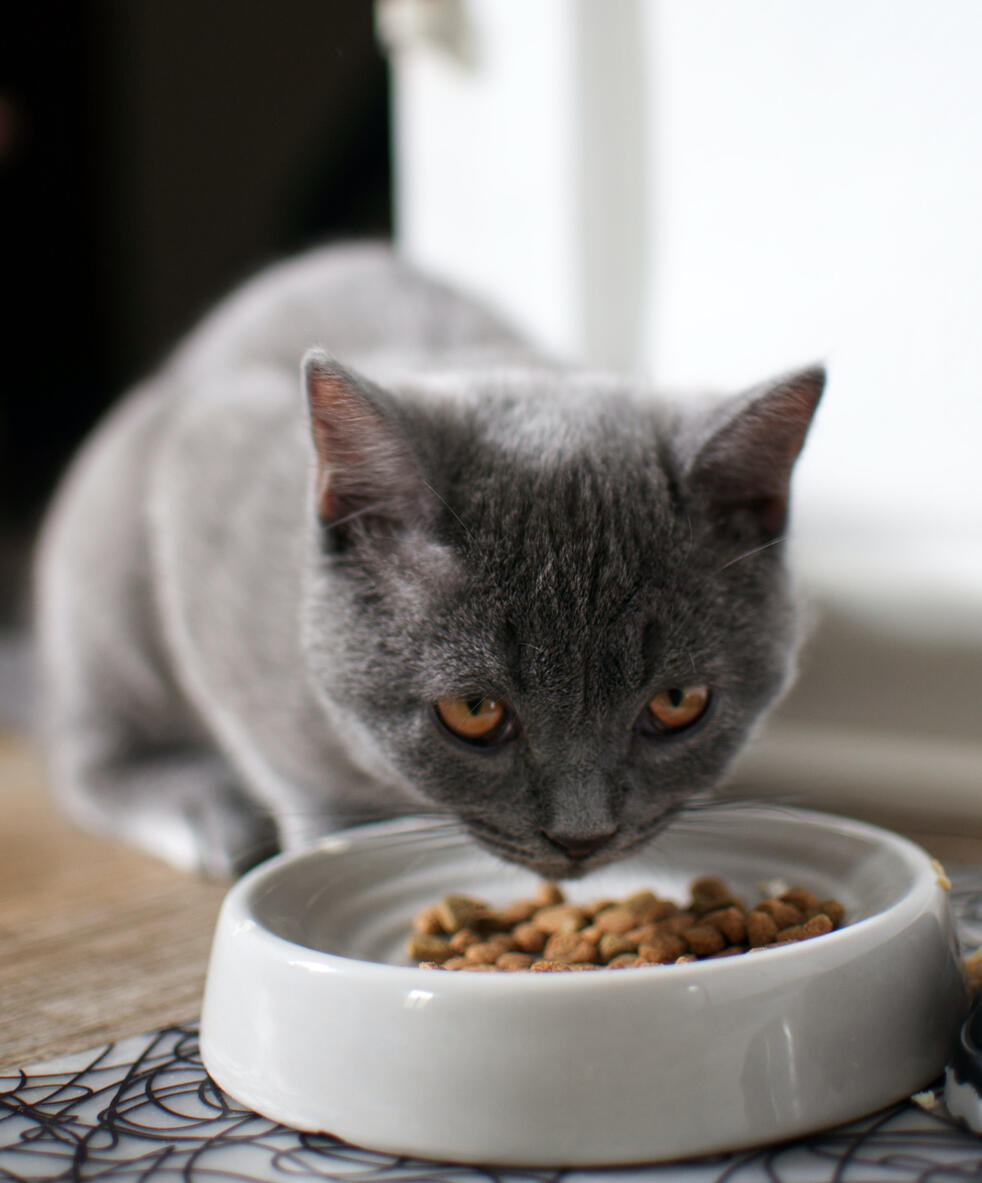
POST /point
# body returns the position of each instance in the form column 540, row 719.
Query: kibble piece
column 817, row 926
column 569, row 946
column 657, row 910
column 428, row 921
column 505, row 919
column 528, row 938
column 801, row 897
column 613, row 944
column 685, row 959
column 677, row 923
column 462, row 940
column 781, row 913
column 514, row 961
column 456, row 963
column 664, row 948
column 626, row 961
column 729, row 951
column 539, row 967
column 485, row 951
column 761, row 929
column 428, row 947
column 560, row 918
column 480, row 966
column 460, row 911
column 709, row 893
column 833, row 909
column 548, row 894
column 703, row 940
column 730, row 921
column 616, row 919
column 639, row 901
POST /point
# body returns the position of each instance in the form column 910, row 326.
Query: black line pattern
column 144, row 1111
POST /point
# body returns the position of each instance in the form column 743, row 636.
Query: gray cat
column 448, row 575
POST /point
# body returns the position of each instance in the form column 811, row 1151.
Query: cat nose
column 578, row 846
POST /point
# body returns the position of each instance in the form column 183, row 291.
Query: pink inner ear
column 342, row 427
column 365, row 468
column 746, row 465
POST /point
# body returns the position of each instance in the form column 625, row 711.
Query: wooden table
column 98, row 941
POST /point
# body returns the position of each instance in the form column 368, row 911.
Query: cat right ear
column 742, row 471
column 367, row 479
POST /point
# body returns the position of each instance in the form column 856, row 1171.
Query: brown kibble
column 547, row 934
column 456, row 963
column 803, row 899
column 709, row 893
column 626, row 961
column 428, row 921
column 703, row 940
column 560, row 918
column 677, row 923
column 528, row 938
column 775, row 945
column 569, row 946
column 486, row 951
column 462, row 940
column 505, row 919
column 664, row 948
column 833, row 909
column 613, row 944
column 426, row 947
column 731, row 922
column 460, row 911
column 761, row 929
column 817, row 926
column 514, row 961
column 595, row 906
column 781, row 913
column 657, row 910
column 616, row 919
column 639, row 901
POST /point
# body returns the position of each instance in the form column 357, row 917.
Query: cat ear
column 367, row 476
column 743, row 470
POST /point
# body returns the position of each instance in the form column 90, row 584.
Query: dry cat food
column 547, row 933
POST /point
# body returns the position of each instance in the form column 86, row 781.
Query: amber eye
column 676, row 708
column 478, row 720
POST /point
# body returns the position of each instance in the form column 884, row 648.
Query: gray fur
column 246, row 609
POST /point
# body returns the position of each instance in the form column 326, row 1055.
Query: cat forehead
column 545, row 415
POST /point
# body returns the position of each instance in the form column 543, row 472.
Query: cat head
column 555, row 608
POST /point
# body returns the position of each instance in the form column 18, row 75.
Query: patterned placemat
column 144, row 1109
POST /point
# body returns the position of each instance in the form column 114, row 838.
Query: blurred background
column 705, row 192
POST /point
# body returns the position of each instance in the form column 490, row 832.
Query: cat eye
column 675, row 708
column 480, row 721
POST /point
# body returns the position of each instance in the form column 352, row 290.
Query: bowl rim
column 238, row 915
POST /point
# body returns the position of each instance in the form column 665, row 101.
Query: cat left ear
column 743, row 471
column 367, row 476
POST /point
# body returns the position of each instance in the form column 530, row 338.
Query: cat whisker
column 754, row 551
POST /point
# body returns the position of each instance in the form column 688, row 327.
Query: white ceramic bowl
column 313, row 1018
